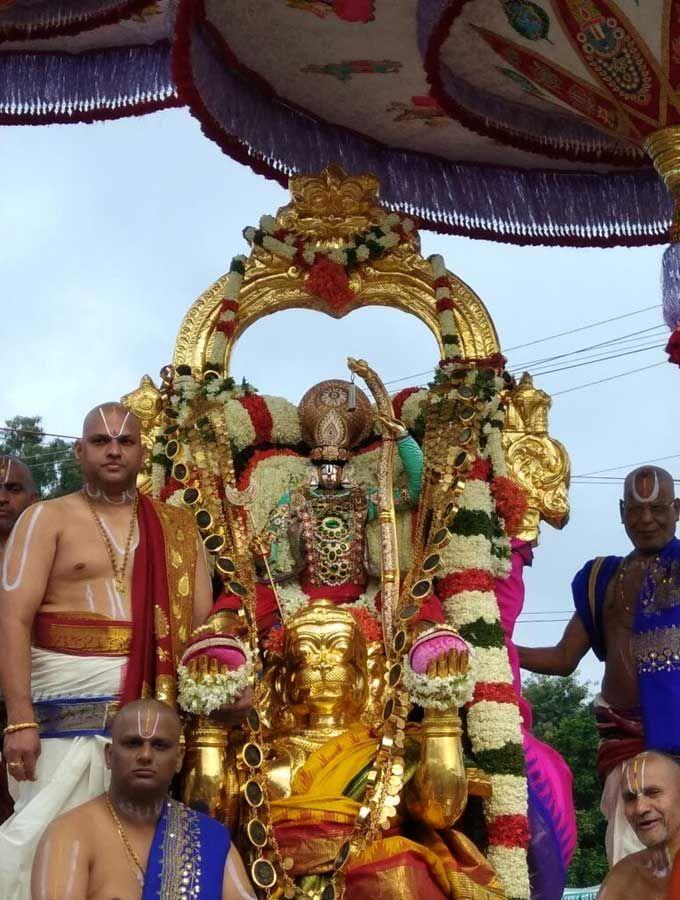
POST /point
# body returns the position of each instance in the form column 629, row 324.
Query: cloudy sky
column 109, row 232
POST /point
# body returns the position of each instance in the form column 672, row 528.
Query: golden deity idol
column 358, row 544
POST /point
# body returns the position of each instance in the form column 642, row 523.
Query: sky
column 109, row 232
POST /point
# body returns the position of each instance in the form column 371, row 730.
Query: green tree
column 51, row 461
column 563, row 718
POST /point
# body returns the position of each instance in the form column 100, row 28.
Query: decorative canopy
column 511, row 120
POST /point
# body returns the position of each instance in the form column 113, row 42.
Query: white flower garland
column 510, row 864
column 491, row 664
column 203, row 693
column 508, row 797
column 468, row 606
column 465, row 551
column 491, row 725
column 442, row 692
column 292, row 598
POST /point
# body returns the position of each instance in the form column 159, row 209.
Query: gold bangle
column 21, row 726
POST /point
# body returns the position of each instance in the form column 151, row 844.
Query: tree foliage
column 563, row 718
column 52, row 463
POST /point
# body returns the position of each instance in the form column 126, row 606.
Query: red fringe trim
column 111, row 16
column 509, row 831
column 481, row 125
column 238, row 151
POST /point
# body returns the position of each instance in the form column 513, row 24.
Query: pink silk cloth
column 548, row 774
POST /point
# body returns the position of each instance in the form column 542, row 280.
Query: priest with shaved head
column 627, row 610
column 134, row 841
column 99, row 591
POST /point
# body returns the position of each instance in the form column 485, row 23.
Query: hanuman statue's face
column 326, row 654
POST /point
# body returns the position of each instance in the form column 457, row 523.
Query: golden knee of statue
column 325, row 677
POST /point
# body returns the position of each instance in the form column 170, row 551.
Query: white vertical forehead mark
column 146, row 731
column 654, row 492
column 33, row 514
column 6, row 471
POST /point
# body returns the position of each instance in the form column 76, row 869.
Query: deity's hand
column 21, row 751
column 392, row 429
column 235, row 713
column 453, row 662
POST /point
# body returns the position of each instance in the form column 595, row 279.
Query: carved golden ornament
column 537, row 462
column 145, row 402
column 663, row 147
column 335, row 414
column 332, row 207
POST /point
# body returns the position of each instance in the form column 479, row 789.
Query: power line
column 68, row 437
column 621, row 339
column 550, row 337
column 611, row 378
column 599, row 359
column 645, row 462
column 544, row 339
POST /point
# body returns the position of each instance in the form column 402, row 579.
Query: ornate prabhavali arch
column 249, row 465
column 330, row 209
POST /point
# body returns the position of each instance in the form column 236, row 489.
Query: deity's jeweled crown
column 335, row 416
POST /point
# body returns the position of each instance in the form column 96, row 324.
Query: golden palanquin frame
column 329, row 209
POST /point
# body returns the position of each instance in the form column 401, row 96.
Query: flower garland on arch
column 327, row 270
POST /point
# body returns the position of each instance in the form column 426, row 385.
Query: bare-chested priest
column 628, row 612
column 133, row 841
column 650, row 792
column 99, row 592
column 17, row 493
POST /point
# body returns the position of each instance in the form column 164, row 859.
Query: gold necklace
column 118, row 572
column 140, row 874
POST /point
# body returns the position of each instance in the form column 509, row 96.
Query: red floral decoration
column 275, row 639
column 480, row 470
column 368, row 623
column 169, row 488
column 496, row 692
column 399, row 399
column 329, row 281
column 511, row 503
column 467, row 580
column 260, row 417
column 673, row 347
column 509, row 831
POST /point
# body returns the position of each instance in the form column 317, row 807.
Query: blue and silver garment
column 656, row 649
column 68, row 717
column 187, row 856
column 655, row 642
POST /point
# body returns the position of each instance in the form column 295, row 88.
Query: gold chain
column 118, row 572
column 140, row 874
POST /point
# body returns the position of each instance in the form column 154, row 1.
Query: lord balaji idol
column 358, row 540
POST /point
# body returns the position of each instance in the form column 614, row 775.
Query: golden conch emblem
column 335, row 414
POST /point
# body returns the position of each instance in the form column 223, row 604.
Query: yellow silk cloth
column 312, row 824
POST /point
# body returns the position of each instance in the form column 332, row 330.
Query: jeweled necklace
column 118, row 571
column 138, row 868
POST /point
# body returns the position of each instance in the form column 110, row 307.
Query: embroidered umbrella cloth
column 515, row 120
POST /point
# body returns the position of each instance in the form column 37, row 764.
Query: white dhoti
column 620, row 839
column 70, row 770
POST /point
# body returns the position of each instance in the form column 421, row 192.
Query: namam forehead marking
column 113, row 433
column 635, row 775
column 145, row 728
column 5, row 469
column 641, row 490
